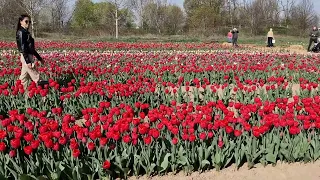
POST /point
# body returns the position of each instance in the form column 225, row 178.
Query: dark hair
column 20, row 19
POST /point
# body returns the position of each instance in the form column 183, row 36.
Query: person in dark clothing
column 316, row 49
column 314, row 34
column 25, row 44
column 235, row 33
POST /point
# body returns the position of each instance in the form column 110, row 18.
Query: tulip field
column 116, row 110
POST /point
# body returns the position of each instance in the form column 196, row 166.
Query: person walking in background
column 26, row 47
column 314, row 34
column 229, row 36
column 319, row 35
column 235, row 33
column 270, row 38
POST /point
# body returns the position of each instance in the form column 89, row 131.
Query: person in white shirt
column 270, row 38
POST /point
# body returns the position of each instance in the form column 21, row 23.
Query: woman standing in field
column 25, row 44
column 270, row 38
column 229, row 36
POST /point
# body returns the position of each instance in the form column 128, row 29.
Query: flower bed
column 122, row 114
column 88, row 45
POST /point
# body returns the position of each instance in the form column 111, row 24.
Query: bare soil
column 292, row 49
column 282, row 171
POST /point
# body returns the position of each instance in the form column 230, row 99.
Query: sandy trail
column 282, row 171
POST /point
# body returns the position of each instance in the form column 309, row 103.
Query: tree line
column 127, row 17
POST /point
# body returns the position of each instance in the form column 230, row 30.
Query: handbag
column 42, row 83
column 273, row 41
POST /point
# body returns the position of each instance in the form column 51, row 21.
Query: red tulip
column 103, row 141
column 126, row 139
column 220, row 144
column 28, row 150
column 106, row 164
column 2, row 146
column 237, row 133
column 12, row 153
column 202, row 136
column 15, row 143
column 174, row 141
column 28, row 137
column 147, row 140
column 91, row 146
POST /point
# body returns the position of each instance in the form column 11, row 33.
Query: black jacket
column 235, row 34
column 314, row 34
column 25, row 44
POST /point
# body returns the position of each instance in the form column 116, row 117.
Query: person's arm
column 35, row 53
column 22, row 42
column 311, row 34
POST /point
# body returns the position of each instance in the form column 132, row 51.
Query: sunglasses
column 27, row 22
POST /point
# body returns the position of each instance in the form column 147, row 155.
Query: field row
column 120, row 114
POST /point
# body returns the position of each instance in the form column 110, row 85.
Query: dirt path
column 293, row 49
column 282, row 171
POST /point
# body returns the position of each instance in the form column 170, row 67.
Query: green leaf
column 208, row 151
column 271, row 158
column 14, row 174
column 54, row 176
column 205, row 162
column 151, row 168
column 182, row 160
column 295, row 154
column 105, row 178
column 165, row 163
column 228, row 161
column 27, row 177
column 42, row 177
column 217, row 158
column 61, row 167
column 285, row 153
column 17, row 168
column 2, row 177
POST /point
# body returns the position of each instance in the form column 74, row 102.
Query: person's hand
column 40, row 58
column 43, row 62
column 29, row 65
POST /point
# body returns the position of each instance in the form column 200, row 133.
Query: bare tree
column 8, row 10
column 286, row 7
column 154, row 15
column 58, row 13
column 174, row 19
column 259, row 14
column 231, row 8
column 303, row 16
column 32, row 7
column 2, row 4
column 205, row 15
column 118, row 5
column 138, row 7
